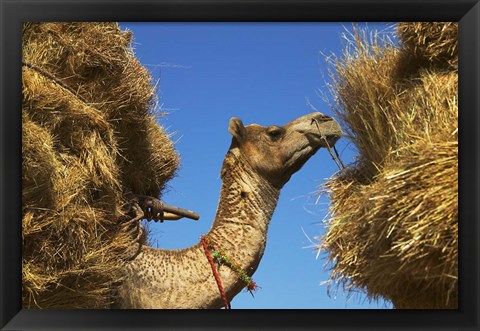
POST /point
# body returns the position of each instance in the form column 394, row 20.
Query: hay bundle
column 393, row 230
column 431, row 43
column 90, row 134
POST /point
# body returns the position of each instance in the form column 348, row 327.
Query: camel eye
column 275, row 133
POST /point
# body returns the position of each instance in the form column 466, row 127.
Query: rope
column 215, row 274
column 339, row 163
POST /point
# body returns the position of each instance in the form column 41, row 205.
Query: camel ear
column 236, row 128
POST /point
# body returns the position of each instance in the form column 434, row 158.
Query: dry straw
column 90, row 134
column 393, row 231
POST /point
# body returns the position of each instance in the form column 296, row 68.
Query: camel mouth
column 318, row 139
column 332, row 139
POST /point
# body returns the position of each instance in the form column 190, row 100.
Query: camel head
column 277, row 152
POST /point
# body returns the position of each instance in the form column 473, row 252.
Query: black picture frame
column 14, row 12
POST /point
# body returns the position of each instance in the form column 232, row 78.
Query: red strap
column 215, row 274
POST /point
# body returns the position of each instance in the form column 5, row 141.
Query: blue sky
column 264, row 73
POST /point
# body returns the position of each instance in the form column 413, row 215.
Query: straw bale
column 431, row 43
column 89, row 128
column 393, row 230
column 151, row 158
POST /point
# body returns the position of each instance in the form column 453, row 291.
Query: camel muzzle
column 329, row 131
column 319, row 128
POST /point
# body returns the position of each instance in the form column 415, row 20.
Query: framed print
column 296, row 163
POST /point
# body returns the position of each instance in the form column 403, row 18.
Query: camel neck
column 245, row 208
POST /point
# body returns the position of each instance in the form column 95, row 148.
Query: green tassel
column 250, row 285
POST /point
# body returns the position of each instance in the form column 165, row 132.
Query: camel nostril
column 324, row 118
column 321, row 119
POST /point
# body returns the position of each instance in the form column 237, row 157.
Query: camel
column 259, row 162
